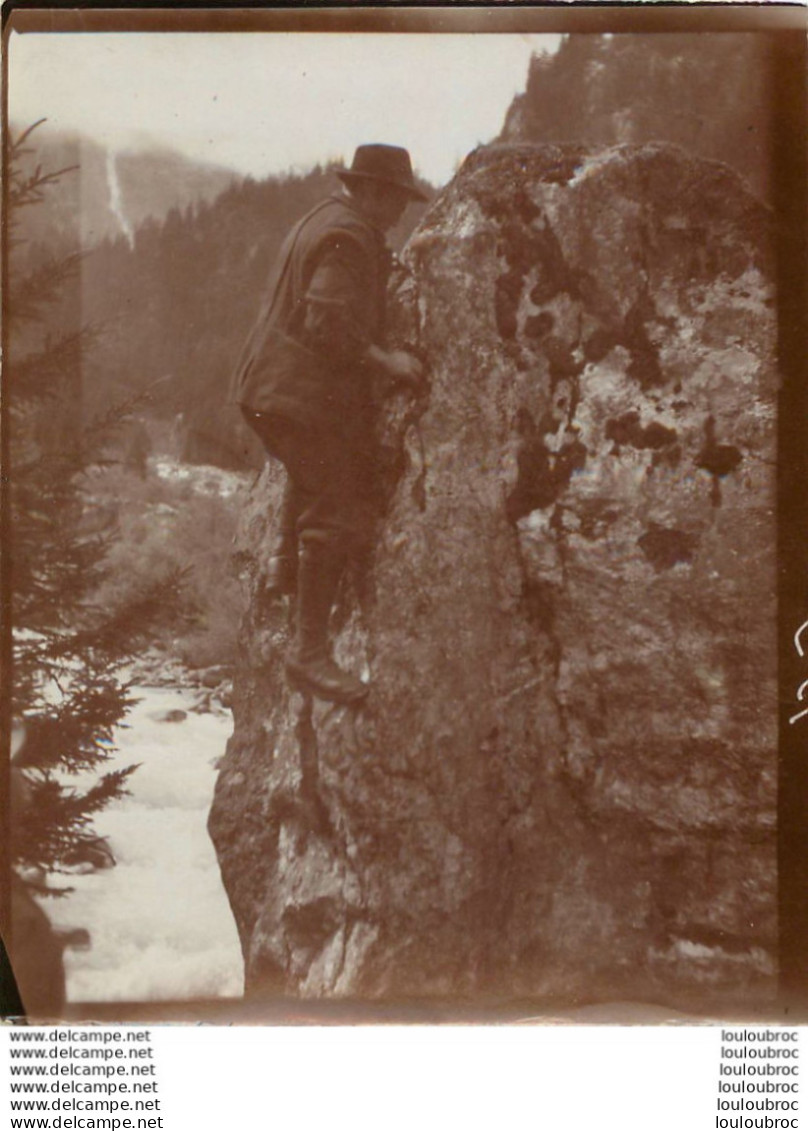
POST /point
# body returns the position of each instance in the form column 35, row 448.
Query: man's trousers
column 331, row 490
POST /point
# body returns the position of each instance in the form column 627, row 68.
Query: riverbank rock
column 562, row 785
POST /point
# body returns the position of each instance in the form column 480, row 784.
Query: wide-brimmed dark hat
column 389, row 164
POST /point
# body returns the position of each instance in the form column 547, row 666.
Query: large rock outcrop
column 562, row 785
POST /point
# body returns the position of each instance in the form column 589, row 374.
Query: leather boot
column 310, row 667
column 281, row 568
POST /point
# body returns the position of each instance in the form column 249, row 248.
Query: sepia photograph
column 403, row 418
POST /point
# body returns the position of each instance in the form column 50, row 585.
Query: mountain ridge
column 111, row 190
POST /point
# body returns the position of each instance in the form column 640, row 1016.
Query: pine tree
column 67, row 652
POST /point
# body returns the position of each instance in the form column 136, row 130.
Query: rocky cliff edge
column 562, row 785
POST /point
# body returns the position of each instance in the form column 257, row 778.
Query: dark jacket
column 324, row 305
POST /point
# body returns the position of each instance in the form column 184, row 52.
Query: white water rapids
column 159, row 921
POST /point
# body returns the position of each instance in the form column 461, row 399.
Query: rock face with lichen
column 562, row 785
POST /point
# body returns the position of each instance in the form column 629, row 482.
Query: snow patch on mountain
column 115, row 200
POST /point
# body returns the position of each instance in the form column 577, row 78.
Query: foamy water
column 160, row 922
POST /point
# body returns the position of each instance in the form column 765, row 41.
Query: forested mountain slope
column 176, row 305
column 708, row 93
column 109, row 193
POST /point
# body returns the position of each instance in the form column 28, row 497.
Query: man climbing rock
column 305, row 383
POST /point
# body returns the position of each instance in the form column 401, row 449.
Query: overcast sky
column 264, row 102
